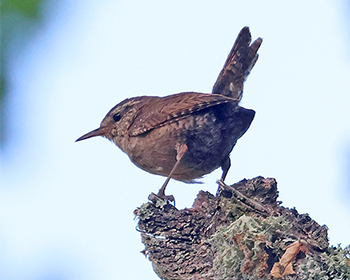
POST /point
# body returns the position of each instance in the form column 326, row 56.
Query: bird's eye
column 117, row 117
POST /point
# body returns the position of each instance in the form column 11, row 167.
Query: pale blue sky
column 67, row 208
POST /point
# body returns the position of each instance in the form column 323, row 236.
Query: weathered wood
column 240, row 233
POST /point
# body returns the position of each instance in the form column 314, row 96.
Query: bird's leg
column 225, row 166
column 181, row 149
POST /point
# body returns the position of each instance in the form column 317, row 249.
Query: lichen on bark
column 241, row 233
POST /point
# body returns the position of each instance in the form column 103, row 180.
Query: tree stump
column 241, row 233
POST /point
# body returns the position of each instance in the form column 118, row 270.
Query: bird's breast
column 209, row 135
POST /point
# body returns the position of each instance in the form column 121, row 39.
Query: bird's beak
column 96, row 132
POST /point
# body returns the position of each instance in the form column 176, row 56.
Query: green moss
column 334, row 265
column 240, row 247
column 234, row 243
column 144, row 212
column 241, row 250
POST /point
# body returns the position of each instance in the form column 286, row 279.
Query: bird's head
column 117, row 121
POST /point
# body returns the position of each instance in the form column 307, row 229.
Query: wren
column 186, row 135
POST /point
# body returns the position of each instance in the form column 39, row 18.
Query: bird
column 186, row 135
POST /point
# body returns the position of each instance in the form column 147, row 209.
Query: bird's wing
column 173, row 107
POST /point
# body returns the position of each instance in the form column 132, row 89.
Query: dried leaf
column 276, row 270
column 284, row 266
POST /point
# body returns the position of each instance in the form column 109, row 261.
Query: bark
column 241, row 233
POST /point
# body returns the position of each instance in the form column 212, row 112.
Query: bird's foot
column 221, row 184
column 161, row 200
column 162, row 195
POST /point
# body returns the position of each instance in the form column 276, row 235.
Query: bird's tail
column 238, row 65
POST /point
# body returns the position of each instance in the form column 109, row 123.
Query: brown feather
column 164, row 111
